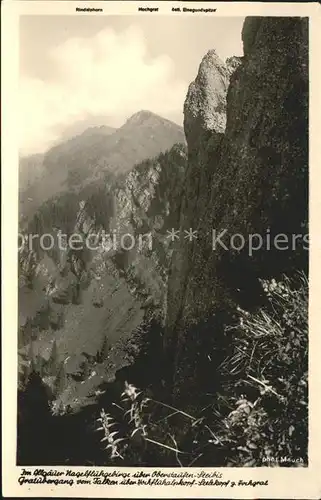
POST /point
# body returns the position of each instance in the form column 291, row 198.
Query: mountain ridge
column 97, row 153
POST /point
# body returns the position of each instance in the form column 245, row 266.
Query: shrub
column 266, row 379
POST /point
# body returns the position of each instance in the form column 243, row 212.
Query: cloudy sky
column 82, row 71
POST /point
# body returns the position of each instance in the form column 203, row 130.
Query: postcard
column 161, row 249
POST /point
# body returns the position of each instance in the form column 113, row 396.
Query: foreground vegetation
column 259, row 416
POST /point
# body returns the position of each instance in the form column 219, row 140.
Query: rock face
column 248, row 177
column 147, row 206
column 78, row 298
column 205, row 104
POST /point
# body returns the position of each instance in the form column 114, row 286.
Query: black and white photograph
column 163, row 241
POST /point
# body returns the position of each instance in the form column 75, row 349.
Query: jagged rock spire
column 205, row 103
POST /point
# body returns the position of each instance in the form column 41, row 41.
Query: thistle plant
column 135, row 412
column 134, row 420
column 106, row 423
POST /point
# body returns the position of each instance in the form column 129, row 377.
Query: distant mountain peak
column 97, row 152
column 145, row 117
column 142, row 115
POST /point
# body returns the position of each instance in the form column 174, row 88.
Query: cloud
column 109, row 74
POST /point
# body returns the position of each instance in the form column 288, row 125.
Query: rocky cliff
column 247, row 174
column 76, row 301
column 205, row 104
